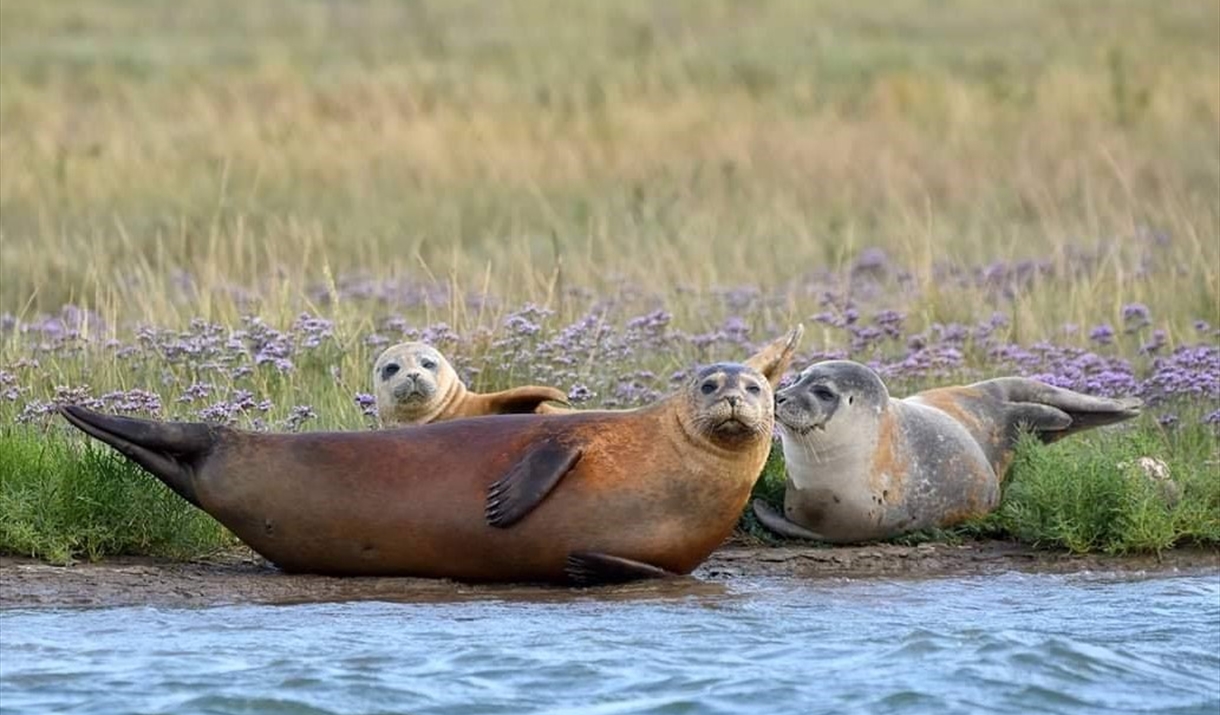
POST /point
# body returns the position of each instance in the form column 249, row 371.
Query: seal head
column 727, row 404
column 414, row 382
column 825, row 390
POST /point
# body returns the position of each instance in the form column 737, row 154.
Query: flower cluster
column 622, row 350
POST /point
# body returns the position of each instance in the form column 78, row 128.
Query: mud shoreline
column 243, row 577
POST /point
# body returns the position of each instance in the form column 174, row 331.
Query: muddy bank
column 243, row 577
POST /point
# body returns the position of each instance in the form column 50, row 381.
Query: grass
column 1095, row 497
column 161, row 164
column 61, row 500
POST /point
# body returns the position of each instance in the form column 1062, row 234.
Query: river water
column 1010, row 643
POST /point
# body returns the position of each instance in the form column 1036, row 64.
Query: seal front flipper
column 591, row 568
column 776, row 522
column 513, row 496
column 167, row 449
column 522, row 400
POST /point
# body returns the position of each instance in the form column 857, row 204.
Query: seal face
column 580, row 497
column 728, row 404
column 415, row 385
column 862, row 465
column 819, row 392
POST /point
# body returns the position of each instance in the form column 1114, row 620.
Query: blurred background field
column 224, row 210
column 678, row 144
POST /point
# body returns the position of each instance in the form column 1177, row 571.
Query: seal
column 863, row 466
column 577, row 498
column 416, row 385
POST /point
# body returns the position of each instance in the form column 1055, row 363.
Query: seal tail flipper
column 777, row 523
column 590, row 568
column 523, row 400
column 1082, row 411
column 773, row 359
column 166, row 449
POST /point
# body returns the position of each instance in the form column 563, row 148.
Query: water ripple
column 1010, row 644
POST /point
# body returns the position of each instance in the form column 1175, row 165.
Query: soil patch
column 242, row 577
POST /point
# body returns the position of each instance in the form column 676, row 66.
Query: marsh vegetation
column 225, row 211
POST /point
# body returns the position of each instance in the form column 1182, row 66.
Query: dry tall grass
column 505, row 146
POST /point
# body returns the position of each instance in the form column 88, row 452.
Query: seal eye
column 389, row 371
column 428, row 364
column 823, row 394
column 753, row 389
column 707, row 388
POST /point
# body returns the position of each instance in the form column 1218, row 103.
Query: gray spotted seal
column 863, row 466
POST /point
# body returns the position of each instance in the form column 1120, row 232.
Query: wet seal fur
column 416, row 385
column 864, row 466
column 578, row 498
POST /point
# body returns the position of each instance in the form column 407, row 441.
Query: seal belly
column 950, row 477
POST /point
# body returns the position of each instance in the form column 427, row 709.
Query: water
column 1013, row 643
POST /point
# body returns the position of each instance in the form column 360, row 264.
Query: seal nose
column 733, row 399
column 780, row 398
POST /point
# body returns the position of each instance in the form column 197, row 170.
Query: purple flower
column 579, row 394
column 1135, row 316
column 135, row 400
column 297, row 416
column 1157, row 342
column 1102, row 334
column 871, row 261
column 367, row 404
column 197, row 391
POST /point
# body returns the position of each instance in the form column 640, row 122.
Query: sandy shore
column 242, row 577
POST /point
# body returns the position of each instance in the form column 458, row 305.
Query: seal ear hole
column 389, row 371
column 708, row 387
column 851, row 399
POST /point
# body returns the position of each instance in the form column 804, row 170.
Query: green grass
column 1093, row 496
column 62, row 500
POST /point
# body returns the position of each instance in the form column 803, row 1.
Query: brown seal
column 579, row 497
column 416, row 385
column 863, row 466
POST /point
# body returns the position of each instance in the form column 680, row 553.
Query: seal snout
column 413, row 385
